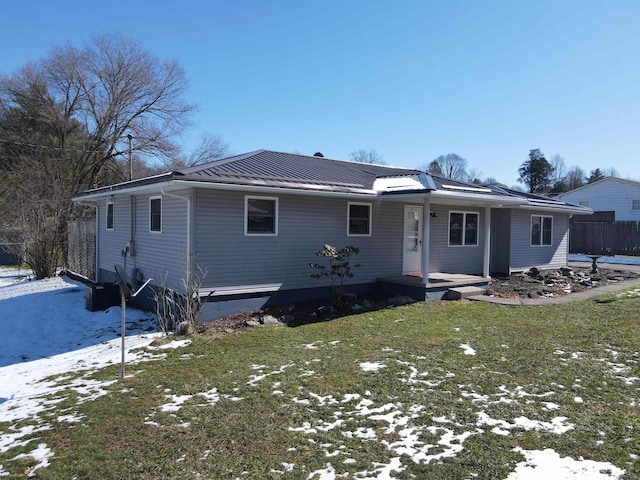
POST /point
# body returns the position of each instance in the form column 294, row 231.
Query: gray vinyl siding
column 468, row 259
column 157, row 255
column 524, row 255
column 500, row 240
column 111, row 242
column 305, row 224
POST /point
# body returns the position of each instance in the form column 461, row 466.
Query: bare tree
column 210, row 148
column 68, row 118
column 575, row 177
column 559, row 173
column 474, row 175
column 367, row 156
column 451, row 166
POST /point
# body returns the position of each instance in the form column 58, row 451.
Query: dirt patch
column 552, row 283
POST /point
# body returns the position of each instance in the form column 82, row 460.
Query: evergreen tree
column 536, row 173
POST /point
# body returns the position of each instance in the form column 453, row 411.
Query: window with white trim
column 635, row 204
column 358, row 219
column 463, row 228
column 541, row 230
column 109, row 216
column 155, row 214
column 261, row 216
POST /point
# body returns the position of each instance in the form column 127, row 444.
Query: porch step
column 464, row 292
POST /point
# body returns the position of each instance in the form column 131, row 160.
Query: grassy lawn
column 430, row 390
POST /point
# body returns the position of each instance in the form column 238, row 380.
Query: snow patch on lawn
column 47, row 334
column 467, row 350
column 372, row 366
column 549, row 464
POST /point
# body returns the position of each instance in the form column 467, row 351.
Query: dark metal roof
column 538, row 200
column 273, row 168
column 265, row 168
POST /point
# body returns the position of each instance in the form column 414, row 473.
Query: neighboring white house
column 609, row 194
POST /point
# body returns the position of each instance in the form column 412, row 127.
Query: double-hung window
column 155, row 214
column 541, row 230
column 359, row 219
column 109, row 215
column 261, row 216
column 463, row 228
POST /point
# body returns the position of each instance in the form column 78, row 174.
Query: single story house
column 610, row 194
column 254, row 221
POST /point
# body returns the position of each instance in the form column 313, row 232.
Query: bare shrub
column 177, row 309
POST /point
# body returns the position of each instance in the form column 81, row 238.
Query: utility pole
column 130, row 159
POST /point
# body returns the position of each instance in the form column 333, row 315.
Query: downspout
column 132, row 228
column 94, row 205
column 188, row 200
column 426, row 228
column 487, row 241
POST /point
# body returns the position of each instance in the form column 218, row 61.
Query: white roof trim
column 467, row 189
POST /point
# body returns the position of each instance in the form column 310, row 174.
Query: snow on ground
column 411, row 432
column 47, row 332
column 52, row 343
column 621, row 260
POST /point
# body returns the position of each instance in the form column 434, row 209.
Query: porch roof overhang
column 467, row 199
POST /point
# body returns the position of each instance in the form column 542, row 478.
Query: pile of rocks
column 548, row 283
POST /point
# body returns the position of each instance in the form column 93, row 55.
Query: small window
column 635, row 204
column 155, row 214
column 261, row 216
column 541, row 230
column 109, row 215
column 359, row 219
column 463, row 229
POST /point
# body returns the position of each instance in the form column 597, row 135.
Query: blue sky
column 412, row 79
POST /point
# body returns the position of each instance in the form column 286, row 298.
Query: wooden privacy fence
column 605, row 238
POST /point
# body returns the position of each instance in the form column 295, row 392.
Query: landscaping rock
column 270, row 320
column 400, row 300
column 558, row 282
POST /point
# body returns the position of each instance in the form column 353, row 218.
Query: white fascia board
column 267, row 189
column 274, row 190
column 476, row 199
column 568, row 209
column 107, row 192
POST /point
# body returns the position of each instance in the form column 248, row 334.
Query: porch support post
column 487, row 240
column 426, row 228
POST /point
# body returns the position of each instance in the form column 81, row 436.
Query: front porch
column 437, row 289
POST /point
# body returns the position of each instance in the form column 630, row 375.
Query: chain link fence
column 81, row 258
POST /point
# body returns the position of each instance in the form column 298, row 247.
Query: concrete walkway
column 572, row 297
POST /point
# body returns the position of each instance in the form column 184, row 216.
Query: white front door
column 412, row 251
